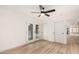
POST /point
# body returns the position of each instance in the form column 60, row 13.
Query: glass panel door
column 37, row 31
column 30, row 32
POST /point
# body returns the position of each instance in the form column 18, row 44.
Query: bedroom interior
column 39, row 29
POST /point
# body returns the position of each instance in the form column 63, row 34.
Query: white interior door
column 47, row 32
column 60, row 32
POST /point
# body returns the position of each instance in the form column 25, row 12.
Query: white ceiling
column 69, row 13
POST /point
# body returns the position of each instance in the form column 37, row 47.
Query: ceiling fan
column 43, row 11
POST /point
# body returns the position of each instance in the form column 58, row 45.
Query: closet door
column 48, row 31
column 60, row 32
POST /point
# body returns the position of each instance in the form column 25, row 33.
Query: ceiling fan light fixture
column 42, row 14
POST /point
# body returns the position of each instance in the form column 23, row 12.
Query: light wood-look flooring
column 46, row 47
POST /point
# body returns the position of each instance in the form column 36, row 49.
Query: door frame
column 34, row 35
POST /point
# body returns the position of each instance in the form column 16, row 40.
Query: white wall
column 13, row 21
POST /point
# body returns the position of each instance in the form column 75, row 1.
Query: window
column 74, row 30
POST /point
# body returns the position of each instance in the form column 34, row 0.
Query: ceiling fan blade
column 35, row 12
column 48, row 11
column 41, row 7
column 46, row 14
column 39, row 15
